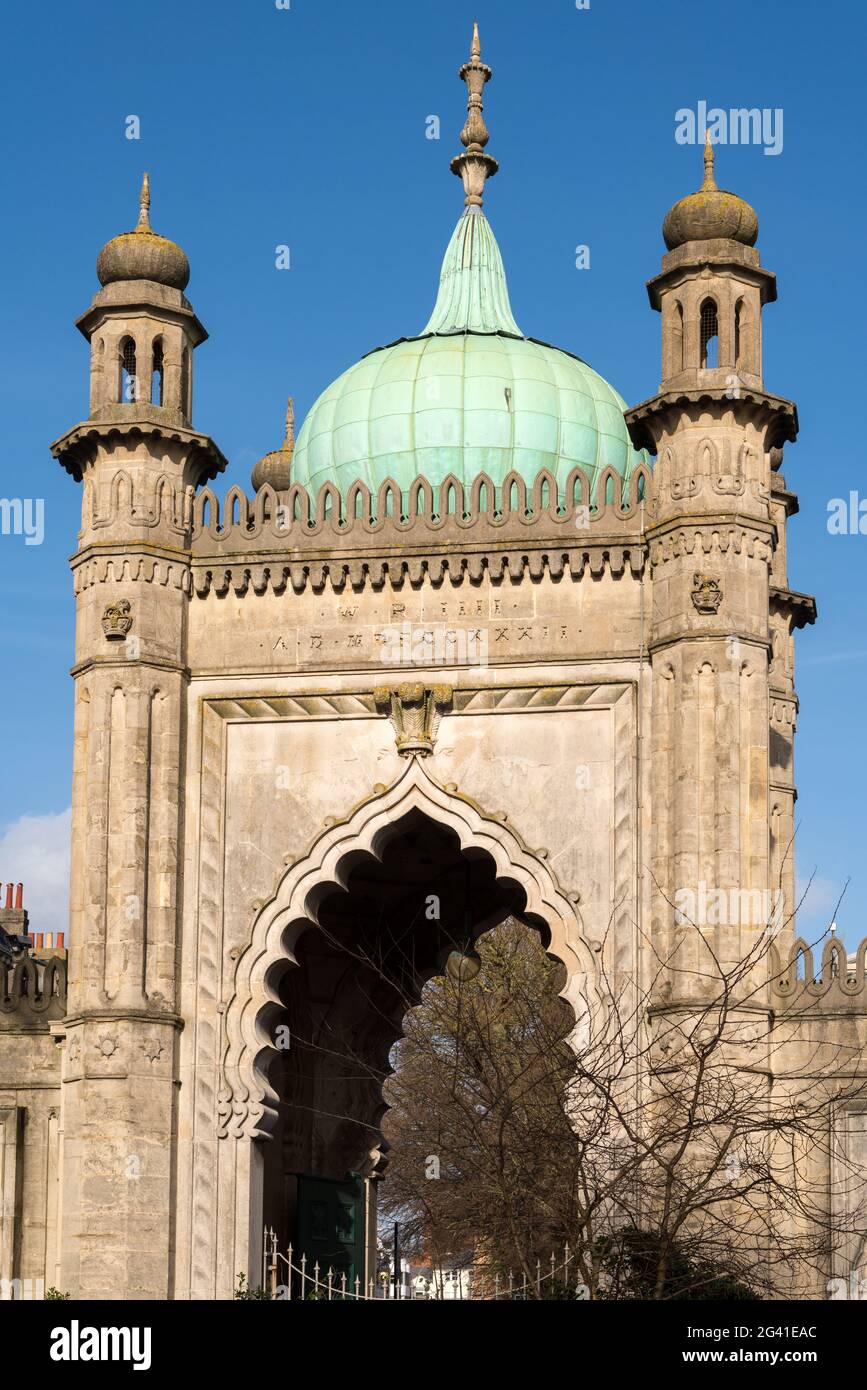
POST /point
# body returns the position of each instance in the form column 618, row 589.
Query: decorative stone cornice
column 800, row 609
column 780, row 493
column 110, row 1014
column 722, row 633
column 122, row 568
column 784, row 710
column 240, row 576
column 122, row 662
column 132, row 296
column 776, row 414
column 78, row 447
column 711, row 536
column 728, row 259
column 469, row 700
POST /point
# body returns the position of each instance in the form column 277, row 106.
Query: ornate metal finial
column 289, row 436
column 144, row 203
column 709, row 185
column 474, row 166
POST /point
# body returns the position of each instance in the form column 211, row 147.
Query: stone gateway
column 481, row 632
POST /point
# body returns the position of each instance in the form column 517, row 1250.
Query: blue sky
column 307, row 127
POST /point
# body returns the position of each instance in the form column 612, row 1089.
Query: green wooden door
column 330, row 1229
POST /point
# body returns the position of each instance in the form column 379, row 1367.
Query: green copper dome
column 471, row 393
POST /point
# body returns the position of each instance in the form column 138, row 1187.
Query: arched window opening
column 128, row 382
column 157, row 373
column 739, row 324
column 185, row 382
column 96, row 370
column 677, row 340
column 709, row 323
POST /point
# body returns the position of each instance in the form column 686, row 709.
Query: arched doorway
column 338, row 957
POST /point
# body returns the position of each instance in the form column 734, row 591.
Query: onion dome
column 471, row 393
column 275, row 468
column 710, row 214
column 142, row 254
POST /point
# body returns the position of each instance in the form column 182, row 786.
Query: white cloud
column 35, row 851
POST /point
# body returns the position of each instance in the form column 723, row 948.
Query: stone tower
column 139, row 460
column 721, row 613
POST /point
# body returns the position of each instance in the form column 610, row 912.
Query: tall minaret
column 721, row 615
column 139, row 460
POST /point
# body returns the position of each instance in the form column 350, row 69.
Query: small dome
column 143, row 255
column 275, row 468
column 711, row 213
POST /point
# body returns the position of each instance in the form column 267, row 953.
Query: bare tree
column 676, row 1152
column 681, row 1144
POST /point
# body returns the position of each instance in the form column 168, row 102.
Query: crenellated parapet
column 279, row 540
column 287, row 540
column 449, row 509
column 836, row 983
column 32, row 991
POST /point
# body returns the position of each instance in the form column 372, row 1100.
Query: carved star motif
column 151, row 1047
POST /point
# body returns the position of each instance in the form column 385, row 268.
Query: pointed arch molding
column 245, row 1102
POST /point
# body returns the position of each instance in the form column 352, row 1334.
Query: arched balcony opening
column 128, row 389
column 157, row 373
column 709, row 334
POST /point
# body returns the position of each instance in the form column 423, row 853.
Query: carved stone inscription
column 425, row 629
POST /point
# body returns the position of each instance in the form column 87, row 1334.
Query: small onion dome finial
column 143, row 255
column 144, row 202
column 709, row 185
column 474, row 166
column 711, row 214
column 275, row 468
